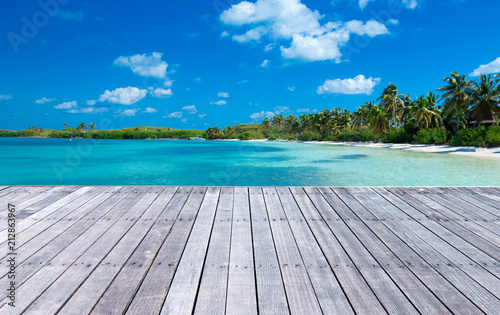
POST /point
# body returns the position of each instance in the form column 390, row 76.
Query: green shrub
column 493, row 136
column 432, row 136
column 393, row 137
column 470, row 137
column 244, row 136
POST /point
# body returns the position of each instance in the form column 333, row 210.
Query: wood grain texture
column 253, row 250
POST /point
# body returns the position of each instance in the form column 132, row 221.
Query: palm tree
column 304, row 123
column 424, row 112
column 65, row 125
column 361, row 115
column 92, row 126
column 485, row 98
column 266, row 124
column 277, row 121
column 392, row 102
column 455, row 97
column 379, row 123
column 81, row 125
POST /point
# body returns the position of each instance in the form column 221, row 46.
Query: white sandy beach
column 491, row 153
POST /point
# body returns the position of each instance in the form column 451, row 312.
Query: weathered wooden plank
column 474, row 198
column 25, row 197
column 442, row 213
column 31, row 288
column 42, row 225
column 241, row 294
column 90, row 291
column 213, row 286
column 426, row 245
column 299, row 289
column 46, row 206
column 122, row 290
column 386, row 290
column 329, row 293
column 359, row 293
column 363, row 223
column 449, row 230
column 468, row 211
column 29, row 263
column 182, row 293
column 153, row 290
column 112, row 248
column 271, row 295
column 489, row 193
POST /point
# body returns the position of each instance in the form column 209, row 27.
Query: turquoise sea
column 224, row 163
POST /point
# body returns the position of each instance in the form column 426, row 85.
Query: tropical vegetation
column 467, row 112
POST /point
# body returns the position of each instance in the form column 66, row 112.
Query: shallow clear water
column 221, row 163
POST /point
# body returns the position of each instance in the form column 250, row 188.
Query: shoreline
column 476, row 152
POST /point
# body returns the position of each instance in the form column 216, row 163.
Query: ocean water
column 224, row 163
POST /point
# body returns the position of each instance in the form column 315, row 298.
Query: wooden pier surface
column 250, row 250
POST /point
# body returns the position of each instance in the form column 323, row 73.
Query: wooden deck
column 210, row 250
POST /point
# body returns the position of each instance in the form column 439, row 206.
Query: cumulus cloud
column 145, row 65
column 88, row 110
column 161, row 93
column 224, row 34
column 393, row 21
column 68, row 15
column 291, row 88
column 281, row 110
column 149, row 110
column 291, row 20
column 265, row 63
column 127, row 112
column 357, row 85
column 5, row 97
column 223, row 94
column 124, row 96
column 303, row 110
column 220, row 102
column 363, row 3
column 202, row 115
column 44, row 100
column 175, row 115
column 191, row 109
column 67, row 105
column 410, row 4
column 261, row 115
column 91, row 102
column 492, row 67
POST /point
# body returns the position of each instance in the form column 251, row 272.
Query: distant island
column 468, row 115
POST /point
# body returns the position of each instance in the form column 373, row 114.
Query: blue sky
column 193, row 64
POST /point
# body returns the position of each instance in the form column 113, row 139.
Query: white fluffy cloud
column 303, row 110
column 5, row 97
column 285, row 20
column 127, row 112
column 88, row 110
column 149, row 110
column 261, row 115
column 175, row 115
column 161, row 93
column 145, row 65
column 363, row 3
column 66, row 105
column 220, row 102
column 124, row 96
column 492, row 67
column 410, row 4
column 191, row 109
column 265, row 63
column 223, row 94
column 44, row 100
column 91, row 102
column 202, row 115
column 291, row 88
column 357, row 85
